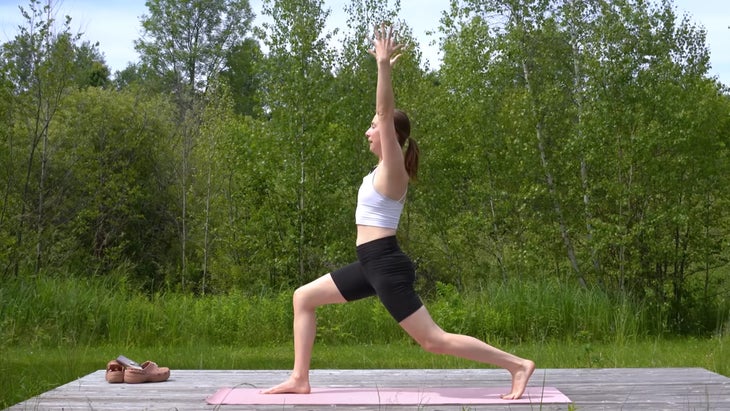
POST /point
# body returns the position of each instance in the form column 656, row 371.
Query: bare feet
column 290, row 386
column 520, row 377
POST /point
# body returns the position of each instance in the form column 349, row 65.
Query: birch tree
column 39, row 63
column 297, row 87
column 185, row 43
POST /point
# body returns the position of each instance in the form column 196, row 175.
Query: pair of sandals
column 125, row 370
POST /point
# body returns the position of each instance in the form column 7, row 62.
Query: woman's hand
column 385, row 49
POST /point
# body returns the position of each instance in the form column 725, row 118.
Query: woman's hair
column 403, row 130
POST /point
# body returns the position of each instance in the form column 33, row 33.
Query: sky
column 115, row 25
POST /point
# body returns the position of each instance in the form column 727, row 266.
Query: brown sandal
column 150, row 372
column 114, row 372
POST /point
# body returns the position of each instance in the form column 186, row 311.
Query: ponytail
column 411, row 159
column 403, row 129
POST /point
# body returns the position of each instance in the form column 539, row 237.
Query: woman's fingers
column 384, row 32
column 386, row 35
column 384, row 43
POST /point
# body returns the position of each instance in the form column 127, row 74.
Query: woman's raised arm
column 386, row 50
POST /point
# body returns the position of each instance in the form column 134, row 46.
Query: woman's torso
column 377, row 215
column 366, row 233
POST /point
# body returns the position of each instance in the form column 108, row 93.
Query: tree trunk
column 41, row 199
column 302, row 179
column 551, row 184
column 206, row 228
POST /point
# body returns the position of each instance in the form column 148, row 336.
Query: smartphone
column 128, row 363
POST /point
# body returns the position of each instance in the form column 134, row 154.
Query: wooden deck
column 589, row 389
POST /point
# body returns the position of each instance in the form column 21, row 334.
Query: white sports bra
column 375, row 209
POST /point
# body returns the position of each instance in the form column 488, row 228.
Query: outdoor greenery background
column 575, row 150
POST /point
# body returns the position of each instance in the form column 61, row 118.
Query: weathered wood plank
column 589, row 389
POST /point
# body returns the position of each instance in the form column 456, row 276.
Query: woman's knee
column 317, row 293
column 302, row 298
column 435, row 343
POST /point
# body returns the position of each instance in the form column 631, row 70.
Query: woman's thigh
column 352, row 282
column 319, row 292
column 393, row 278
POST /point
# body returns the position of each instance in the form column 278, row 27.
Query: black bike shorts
column 384, row 270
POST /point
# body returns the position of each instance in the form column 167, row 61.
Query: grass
column 26, row 372
column 87, row 312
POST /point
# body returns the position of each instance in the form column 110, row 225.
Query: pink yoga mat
column 384, row 396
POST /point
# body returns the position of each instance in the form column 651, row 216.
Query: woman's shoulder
column 389, row 182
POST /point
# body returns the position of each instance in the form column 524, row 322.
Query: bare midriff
column 366, row 233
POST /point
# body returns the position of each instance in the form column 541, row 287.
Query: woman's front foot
column 291, row 386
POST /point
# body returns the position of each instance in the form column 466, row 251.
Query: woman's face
column 373, row 136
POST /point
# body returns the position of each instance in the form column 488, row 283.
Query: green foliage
column 580, row 143
column 186, row 41
column 243, row 78
column 38, row 65
column 564, row 147
column 110, row 172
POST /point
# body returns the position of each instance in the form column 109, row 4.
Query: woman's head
column 403, row 131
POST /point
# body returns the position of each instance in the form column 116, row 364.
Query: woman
column 382, row 268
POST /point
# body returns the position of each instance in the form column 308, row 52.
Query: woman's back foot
column 520, row 377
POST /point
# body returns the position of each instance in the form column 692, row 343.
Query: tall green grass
column 49, row 312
